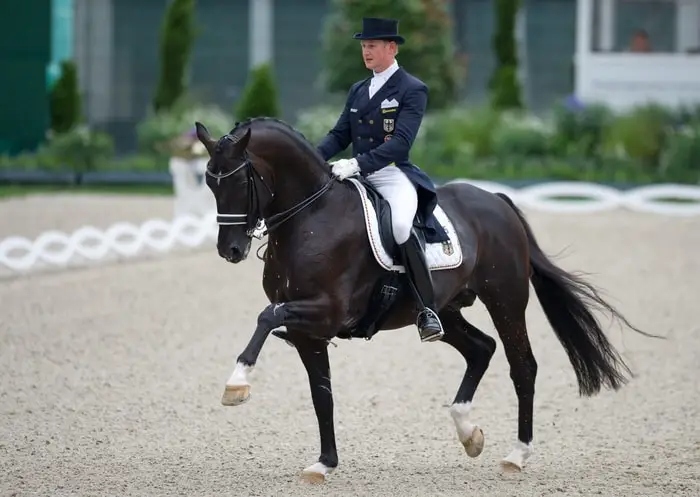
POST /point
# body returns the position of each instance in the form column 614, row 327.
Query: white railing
column 121, row 240
column 126, row 240
column 665, row 199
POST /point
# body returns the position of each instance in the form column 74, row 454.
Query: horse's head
column 273, row 177
column 233, row 180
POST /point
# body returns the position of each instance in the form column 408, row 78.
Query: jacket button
column 360, row 121
column 371, row 139
column 371, row 121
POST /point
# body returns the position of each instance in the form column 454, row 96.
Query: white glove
column 344, row 168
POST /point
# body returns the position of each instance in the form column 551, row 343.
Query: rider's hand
column 344, row 168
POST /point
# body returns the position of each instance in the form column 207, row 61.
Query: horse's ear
column 243, row 142
column 204, row 137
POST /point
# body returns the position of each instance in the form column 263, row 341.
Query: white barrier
column 592, row 197
column 120, row 240
column 128, row 240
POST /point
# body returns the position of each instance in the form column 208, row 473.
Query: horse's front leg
column 297, row 314
column 314, row 355
column 237, row 390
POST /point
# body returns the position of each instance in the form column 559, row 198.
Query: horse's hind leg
column 477, row 348
column 506, row 305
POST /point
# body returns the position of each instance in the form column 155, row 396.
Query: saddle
column 383, row 211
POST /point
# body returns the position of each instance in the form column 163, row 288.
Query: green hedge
column 177, row 37
column 648, row 144
column 64, row 99
column 171, row 132
column 505, row 90
column 259, row 96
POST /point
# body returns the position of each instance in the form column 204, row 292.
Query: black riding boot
column 421, row 282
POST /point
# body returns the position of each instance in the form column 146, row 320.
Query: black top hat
column 376, row 28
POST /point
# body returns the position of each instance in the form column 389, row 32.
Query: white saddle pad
column 439, row 256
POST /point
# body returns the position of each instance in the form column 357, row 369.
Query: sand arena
column 112, row 377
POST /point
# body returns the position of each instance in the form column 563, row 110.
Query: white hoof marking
column 469, row 434
column 518, row 456
column 239, row 377
column 237, row 390
column 316, row 473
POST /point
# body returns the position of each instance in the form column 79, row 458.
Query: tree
column 64, row 98
column 428, row 52
column 504, row 84
column 177, row 37
column 259, row 97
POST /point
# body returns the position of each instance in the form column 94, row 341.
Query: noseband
column 253, row 219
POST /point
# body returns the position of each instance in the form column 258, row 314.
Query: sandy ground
column 112, row 377
column 32, row 215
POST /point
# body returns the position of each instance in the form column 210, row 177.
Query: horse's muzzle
column 234, row 253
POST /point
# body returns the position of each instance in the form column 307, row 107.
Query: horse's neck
column 297, row 174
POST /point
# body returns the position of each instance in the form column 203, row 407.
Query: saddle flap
column 383, row 212
column 445, row 253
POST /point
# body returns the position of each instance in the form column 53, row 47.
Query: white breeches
column 398, row 190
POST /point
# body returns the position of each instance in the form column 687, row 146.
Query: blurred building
column 115, row 44
column 25, row 56
column 630, row 52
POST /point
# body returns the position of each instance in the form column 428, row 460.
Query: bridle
column 253, row 219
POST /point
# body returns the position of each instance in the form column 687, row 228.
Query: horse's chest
column 289, row 275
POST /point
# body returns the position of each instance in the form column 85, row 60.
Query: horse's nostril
column 235, row 251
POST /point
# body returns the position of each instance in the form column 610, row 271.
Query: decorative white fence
column 580, row 197
column 121, row 240
column 126, row 240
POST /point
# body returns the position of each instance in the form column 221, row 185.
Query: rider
column 381, row 119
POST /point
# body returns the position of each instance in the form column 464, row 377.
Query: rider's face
column 378, row 54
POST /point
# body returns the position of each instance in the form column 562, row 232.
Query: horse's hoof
column 515, row 461
column 235, row 395
column 316, row 473
column 474, row 445
column 312, row 477
column 510, row 467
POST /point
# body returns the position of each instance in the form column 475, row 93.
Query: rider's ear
column 204, row 137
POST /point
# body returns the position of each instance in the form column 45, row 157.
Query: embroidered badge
column 447, row 248
column 387, row 138
column 388, row 125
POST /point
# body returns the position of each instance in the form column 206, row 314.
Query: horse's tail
column 568, row 301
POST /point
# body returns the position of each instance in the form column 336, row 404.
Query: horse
column 329, row 273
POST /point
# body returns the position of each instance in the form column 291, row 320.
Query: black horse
column 324, row 281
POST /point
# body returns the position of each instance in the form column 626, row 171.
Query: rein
column 278, row 219
column 253, row 219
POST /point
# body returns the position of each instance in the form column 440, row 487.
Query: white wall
column 623, row 80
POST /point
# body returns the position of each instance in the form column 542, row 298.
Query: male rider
column 381, row 119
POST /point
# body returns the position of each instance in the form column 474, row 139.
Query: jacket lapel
column 361, row 98
column 389, row 88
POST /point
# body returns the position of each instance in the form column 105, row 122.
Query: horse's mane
column 287, row 129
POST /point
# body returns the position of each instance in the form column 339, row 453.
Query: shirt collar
column 387, row 73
